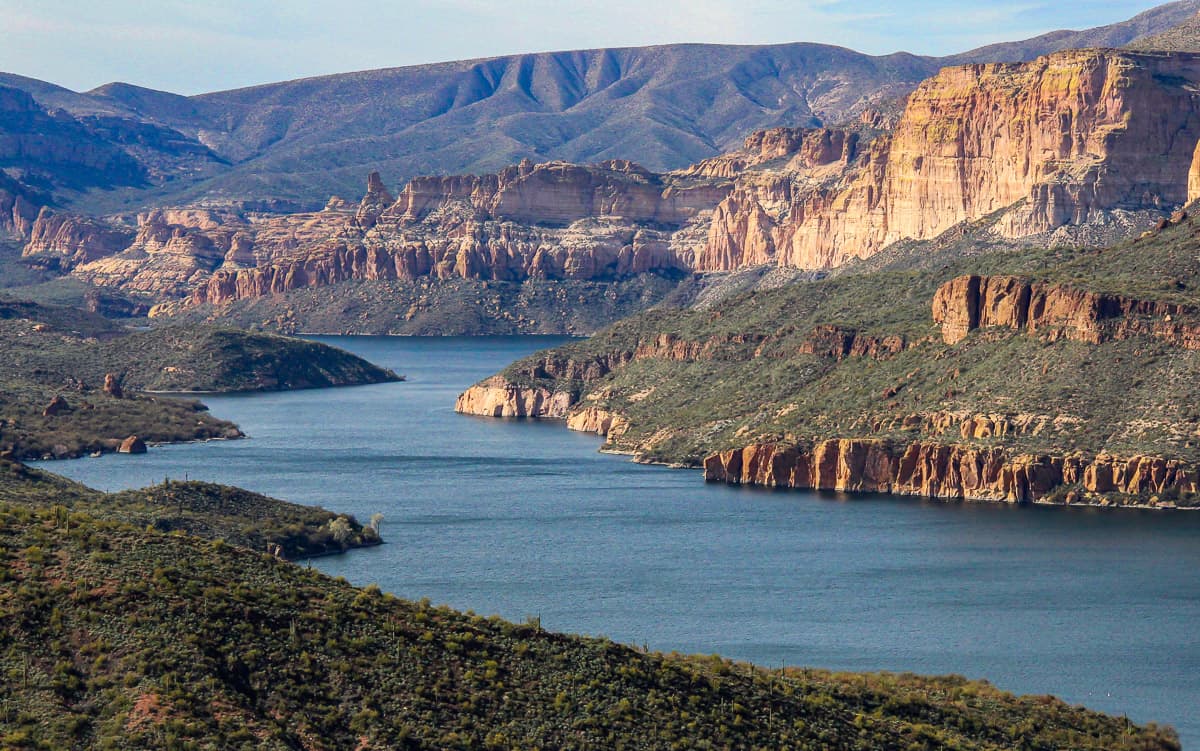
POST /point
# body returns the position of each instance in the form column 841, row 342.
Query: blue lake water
column 523, row 518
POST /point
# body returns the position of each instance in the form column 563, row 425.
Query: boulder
column 132, row 445
column 112, row 386
column 57, row 406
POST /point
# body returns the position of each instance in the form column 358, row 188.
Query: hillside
column 198, row 509
column 1051, row 375
column 118, row 636
column 1184, row 37
column 293, row 144
column 73, row 381
column 58, row 346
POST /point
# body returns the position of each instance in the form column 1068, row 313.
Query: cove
column 523, row 518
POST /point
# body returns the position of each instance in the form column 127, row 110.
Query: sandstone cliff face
column 1064, row 140
column 1068, row 137
column 552, row 221
column 498, row 398
column 67, row 240
column 1055, row 311
column 172, row 251
column 560, row 193
column 599, row 421
column 17, row 212
column 943, row 471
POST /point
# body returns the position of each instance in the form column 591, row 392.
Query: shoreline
column 331, row 553
column 637, row 459
column 237, row 392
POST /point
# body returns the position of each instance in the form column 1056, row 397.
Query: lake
column 524, row 518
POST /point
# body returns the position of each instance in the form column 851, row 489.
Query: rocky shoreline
column 942, row 471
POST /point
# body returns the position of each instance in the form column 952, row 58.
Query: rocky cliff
column 945, row 471
column 64, row 241
column 607, row 221
column 1062, row 140
column 497, row 397
column 1065, row 140
column 17, row 211
column 1058, row 311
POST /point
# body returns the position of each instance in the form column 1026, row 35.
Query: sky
column 195, row 46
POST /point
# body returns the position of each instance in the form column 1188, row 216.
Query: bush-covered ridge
column 213, row 512
column 40, row 347
column 116, row 637
column 94, row 421
column 53, row 351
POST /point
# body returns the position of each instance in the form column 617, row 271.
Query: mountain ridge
column 306, row 139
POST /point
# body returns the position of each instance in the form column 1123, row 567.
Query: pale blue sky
column 206, row 45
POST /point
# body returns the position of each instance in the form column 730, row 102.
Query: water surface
column 523, row 518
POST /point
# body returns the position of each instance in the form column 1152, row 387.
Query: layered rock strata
column 496, row 397
column 943, row 471
column 500, row 397
column 1058, row 141
column 1057, row 311
column 1067, row 139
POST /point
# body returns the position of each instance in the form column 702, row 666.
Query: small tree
column 340, row 530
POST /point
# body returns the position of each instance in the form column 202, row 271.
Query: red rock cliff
column 1063, row 140
column 1057, row 311
column 1068, row 137
column 942, row 471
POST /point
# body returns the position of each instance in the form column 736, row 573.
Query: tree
column 341, row 530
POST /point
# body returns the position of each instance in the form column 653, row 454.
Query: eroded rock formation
column 496, row 397
column 1057, row 311
column 1064, row 140
column 1057, row 141
column 596, row 420
column 66, row 240
column 943, row 471
column 132, row 445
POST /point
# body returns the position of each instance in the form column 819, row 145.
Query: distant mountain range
column 291, row 145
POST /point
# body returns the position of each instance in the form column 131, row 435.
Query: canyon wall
column 547, row 221
column 943, row 471
column 1063, row 140
column 1057, row 311
column 1058, row 141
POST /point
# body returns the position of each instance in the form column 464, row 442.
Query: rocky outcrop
column 64, row 241
column 112, row 386
column 560, row 193
column 1057, row 311
column 57, row 406
column 944, row 471
column 17, row 211
column 375, row 202
column 172, row 251
column 970, row 426
column 839, row 342
column 497, row 397
column 132, row 445
column 602, row 422
column 793, row 149
column 547, row 221
column 1058, row 141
